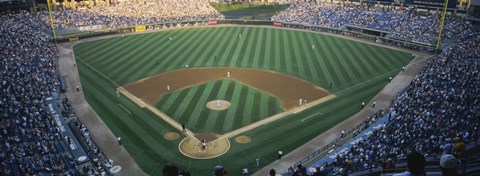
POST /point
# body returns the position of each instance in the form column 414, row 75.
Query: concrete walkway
column 99, row 131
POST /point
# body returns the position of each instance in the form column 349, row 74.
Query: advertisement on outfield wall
column 276, row 23
column 90, row 28
column 212, row 22
column 140, row 28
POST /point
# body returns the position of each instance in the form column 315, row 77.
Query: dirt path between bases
column 286, row 88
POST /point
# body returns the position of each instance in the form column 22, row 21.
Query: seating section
column 400, row 23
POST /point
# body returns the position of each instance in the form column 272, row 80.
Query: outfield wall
column 362, row 33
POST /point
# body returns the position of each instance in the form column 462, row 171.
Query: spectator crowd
column 30, row 140
column 437, row 114
column 128, row 13
column 401, row 23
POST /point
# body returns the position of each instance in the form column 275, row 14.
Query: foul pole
column 444, row 13
column 51, row 21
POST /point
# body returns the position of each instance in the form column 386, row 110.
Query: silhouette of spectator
column 170, row 170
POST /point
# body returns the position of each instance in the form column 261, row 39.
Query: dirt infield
column 193, row 148
column 287, row 89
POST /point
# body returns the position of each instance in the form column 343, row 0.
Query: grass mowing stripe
column 252, row 49
column 332, row 69
column 256, row 111
column 303, row 57
column 117, row 48
column 283, row 57
column 287, row 54
column 123, row 61
column 248, row 106
column 198, row 98
column 339, row 72
column 297, row 60
column 193, row 49
column 161, row 53
column 147, row 60
column 208, row 58
column 393, row 58
column 96, row 46
column 101, row 96
column 262, row 58
column 309, row 57
column 322, row 57
column 200, row 102
column 164, row 58
column 202, row 112
column 134, row 63
column 188, row 57
column 379, row 61
column 129, row 123
column 184, row 48
column 248, row 54
column 181, row 104
column 176, row 101
column 371, row 59
column 239, row 48
column 341, row 60
column 209, row 121
column 166, row 101
column 240, row 107
column 222, row 45
column 228, row 51
column 364, row 60
column 231, row 117
column 277, row 51
column 218, row 117
column 263, row 110
column 258, row 49
column 356, row 59
column 227, row 41
column 267, row 61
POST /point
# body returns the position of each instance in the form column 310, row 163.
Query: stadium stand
column 436, row 114
column 400, row 23
column 131, row 14
column 35, row 139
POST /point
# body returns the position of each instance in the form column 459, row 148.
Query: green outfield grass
column 358, row 72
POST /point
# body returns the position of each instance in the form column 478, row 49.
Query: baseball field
column 238, row 88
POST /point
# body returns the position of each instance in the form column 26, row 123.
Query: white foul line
column 97, row 71
column 124, row 108
column 318, row 113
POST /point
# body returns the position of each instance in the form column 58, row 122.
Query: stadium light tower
column 51, row 21
column 444, row 13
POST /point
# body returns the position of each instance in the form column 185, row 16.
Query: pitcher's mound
column 243, row 139
column 193, row 148
column 171, row 136
column 218, row 105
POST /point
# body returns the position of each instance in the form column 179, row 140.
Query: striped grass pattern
column 356, row 70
